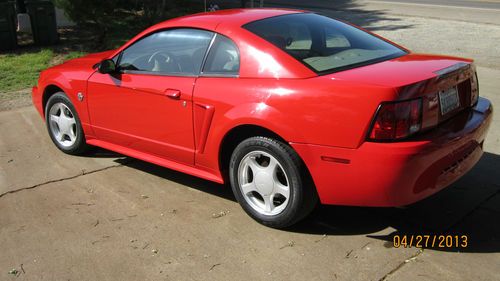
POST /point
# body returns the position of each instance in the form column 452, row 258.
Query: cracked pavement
column 58, row 180
column 108, row 217
column 123, row 219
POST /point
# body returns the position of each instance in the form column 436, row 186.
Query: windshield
column 323, row 44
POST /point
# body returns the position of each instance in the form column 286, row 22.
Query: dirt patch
column 15, row 99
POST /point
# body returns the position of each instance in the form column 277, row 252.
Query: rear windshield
column 323, row 44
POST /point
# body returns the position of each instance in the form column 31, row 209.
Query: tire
column 64, row 126
column 271, row 183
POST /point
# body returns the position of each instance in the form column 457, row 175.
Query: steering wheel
column 163, row 59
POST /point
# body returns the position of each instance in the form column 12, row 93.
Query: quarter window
column 223, row 57
column 177, row 52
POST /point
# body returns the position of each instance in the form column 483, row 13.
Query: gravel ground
column 16, row 99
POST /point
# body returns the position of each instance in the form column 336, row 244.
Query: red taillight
column 397, row 120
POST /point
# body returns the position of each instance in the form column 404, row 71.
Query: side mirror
column 107, row 66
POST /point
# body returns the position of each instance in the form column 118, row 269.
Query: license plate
column 449, row 101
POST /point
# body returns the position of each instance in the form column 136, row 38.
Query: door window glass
column 177, row 51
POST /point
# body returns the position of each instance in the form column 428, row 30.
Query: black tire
column 302, row 198
column 80, row 146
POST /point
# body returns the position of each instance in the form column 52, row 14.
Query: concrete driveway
column 109, row 217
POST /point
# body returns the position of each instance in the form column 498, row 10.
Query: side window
column 177, row 51
column 335, row 40
column 223, row 57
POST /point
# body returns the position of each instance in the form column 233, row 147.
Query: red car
column 288, row 106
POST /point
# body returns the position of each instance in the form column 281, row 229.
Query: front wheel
column 270, row 182
column 63, row 125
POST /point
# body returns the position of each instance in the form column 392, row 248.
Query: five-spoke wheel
column 263, row 182
column 270, row 182
column 63, row 124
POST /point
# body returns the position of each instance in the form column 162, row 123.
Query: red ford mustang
column 288, row 106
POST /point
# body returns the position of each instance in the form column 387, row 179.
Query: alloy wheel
column 263, row 183
column 62, row 124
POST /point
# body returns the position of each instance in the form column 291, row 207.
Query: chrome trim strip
column 153, row 73
column 207, row 52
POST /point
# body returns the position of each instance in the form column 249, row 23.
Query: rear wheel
column 63, row 125
column 270, row 182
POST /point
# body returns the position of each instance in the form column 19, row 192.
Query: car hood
column 89, row 60
column 84, row 63
column 398, row 72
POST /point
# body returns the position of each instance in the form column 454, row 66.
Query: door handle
column 173, row 94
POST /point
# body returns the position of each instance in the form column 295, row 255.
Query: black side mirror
column 107, row 66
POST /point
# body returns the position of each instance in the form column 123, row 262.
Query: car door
column 147, row 105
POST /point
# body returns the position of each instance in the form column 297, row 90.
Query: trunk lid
column 440, row 81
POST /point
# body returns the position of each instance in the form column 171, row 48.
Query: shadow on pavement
column 471, row 207
column 213, row 188
column 97, row 152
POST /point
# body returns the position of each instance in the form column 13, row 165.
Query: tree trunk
column 162, row 9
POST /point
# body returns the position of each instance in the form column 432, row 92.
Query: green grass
column 20, row 71
column 73, row 55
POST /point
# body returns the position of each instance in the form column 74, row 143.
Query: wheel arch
column 239, row 133
column 236, row 135
column 48, row 91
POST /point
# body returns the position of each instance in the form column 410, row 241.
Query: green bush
column 95, row 14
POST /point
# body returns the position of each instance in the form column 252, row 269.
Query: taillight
column 397, row 120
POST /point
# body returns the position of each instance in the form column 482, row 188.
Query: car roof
column 229, row 21
column 258, row 57
column 231, row 17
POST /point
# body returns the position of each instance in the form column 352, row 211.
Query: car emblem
column 80, row 96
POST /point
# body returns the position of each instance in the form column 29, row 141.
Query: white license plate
column 449, row 100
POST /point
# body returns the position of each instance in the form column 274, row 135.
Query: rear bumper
column 399, row 173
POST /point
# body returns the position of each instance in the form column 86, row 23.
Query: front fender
column 71, row 84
